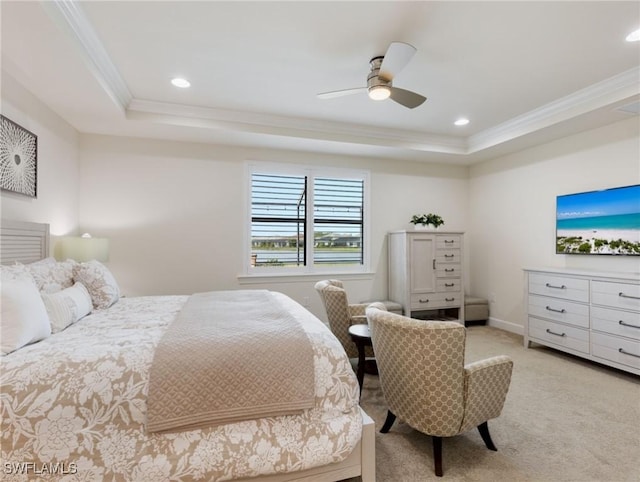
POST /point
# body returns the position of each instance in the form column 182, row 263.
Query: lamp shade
column 84, row 248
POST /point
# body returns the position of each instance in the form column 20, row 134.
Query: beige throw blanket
column 229, row 356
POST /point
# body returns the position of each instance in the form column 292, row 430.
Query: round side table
column 361, row 336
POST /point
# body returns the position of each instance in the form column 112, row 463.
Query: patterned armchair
column 426, row 384
column 341, row 314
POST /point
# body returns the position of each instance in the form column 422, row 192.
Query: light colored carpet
column 565, row 419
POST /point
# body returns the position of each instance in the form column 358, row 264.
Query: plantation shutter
column 338, row 221
column 278, row 220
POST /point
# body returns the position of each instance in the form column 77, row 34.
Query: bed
column 74, row 404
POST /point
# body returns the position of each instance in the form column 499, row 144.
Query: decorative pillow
column 52, row 276
column 67, row 306
column 14, row 271
column 24, row 318
column 99, row 282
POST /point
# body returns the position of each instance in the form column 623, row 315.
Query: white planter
column 420, row 227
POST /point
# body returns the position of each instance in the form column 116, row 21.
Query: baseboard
column 506, row 326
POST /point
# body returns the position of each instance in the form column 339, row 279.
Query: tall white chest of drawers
column 593, row 315
column 426, row 273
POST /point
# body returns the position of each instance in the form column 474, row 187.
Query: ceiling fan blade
column 398, row 55
column 406, row 97
column 340, row 93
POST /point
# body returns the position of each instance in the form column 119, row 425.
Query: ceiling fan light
column 379, row 92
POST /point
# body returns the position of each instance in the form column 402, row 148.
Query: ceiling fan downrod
column 378, row 88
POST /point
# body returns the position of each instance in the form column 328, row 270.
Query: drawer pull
column 561, row 287
column 620, row 350
column 557, row 334
column 628, row 324
column 449, row 255
column 622, row 295
column 449, row 241
column 424, row 301
column 449, row 285
column 449, row 270
column 548, row 308
column 453, row 299
column 434, row 263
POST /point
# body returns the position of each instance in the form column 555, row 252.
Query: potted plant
column 425, row 221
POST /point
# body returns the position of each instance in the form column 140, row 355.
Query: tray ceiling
column 521, row 72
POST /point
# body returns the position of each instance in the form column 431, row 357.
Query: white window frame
column 311, row 172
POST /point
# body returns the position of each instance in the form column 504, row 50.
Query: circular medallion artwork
column 18, row 158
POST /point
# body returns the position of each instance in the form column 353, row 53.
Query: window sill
column 298, row 277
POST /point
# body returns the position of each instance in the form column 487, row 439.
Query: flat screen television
column 599, row 222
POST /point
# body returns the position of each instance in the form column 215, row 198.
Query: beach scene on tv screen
column 599, row 222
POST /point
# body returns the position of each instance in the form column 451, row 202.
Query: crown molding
column 602, row 94
column 69, row 15
column 205, row 117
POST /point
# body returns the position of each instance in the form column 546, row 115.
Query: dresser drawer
column 448, row 256
column 453, row 284
column 560, row 335
column 559, row 310
column 616, row 322
column 448, row 270
column 448, row 241
column 430, row 301
column 559, row 287
column 619, row 350
column 616, row 295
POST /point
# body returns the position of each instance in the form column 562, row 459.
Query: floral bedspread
column 73, row 408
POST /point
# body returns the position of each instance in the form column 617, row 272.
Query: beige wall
column 58, row 163
column 175, row 212
column 512, row 210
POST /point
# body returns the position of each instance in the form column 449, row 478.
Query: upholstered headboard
column 23, row 242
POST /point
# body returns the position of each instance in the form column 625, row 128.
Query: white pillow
column 24, row 318
column 67, row 306
column 99, row 282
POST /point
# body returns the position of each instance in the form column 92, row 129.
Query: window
column 307, row 220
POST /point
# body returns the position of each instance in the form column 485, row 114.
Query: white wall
column 512, row 210
column 175, row 212
column 58, row 163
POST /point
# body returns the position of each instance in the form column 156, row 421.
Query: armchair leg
column 437, row 454
column 483, row 428
column 388, row 422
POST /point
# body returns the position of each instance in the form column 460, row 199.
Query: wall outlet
column 305, row 302
column 492, row 297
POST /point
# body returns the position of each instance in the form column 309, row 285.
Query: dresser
column 594, row 315
column 426, row 273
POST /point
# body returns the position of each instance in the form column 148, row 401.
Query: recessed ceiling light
column 182, row 83
column 461, row 122
column 633, row 36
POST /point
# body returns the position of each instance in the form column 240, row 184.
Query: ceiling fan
column 379, row 81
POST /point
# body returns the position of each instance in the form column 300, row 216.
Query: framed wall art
column 18, row 158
